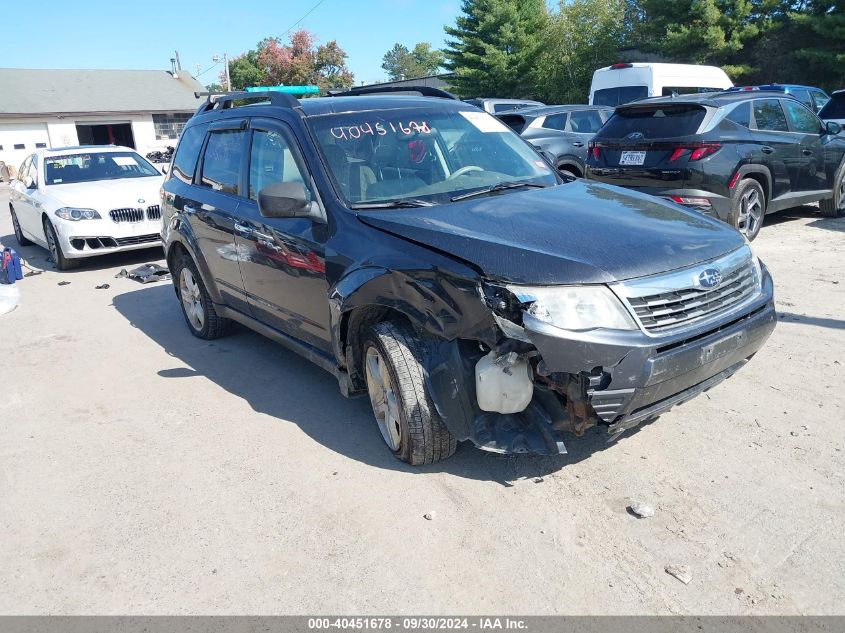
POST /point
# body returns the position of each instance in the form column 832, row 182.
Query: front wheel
column 748, row 208
column 55, row 248
column 17, row 227
column 835, row 207
column 406, row 416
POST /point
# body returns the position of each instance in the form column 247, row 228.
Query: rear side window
column 185, row 161
column 555, row 122
column 835, row 108
column 741, row 114
column 221, row 163
column 654, row 122
column 820, row 98
column 801, row 119
column 768, row 115
column 619, row 95
column 585, row 122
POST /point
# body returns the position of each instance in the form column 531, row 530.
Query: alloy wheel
column 191, row 295
column 383, row 398
column 750, row 212
column 51, row 243
column 17, row 227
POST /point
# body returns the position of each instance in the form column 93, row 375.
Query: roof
column 36, row 91
column 715, row 99
column 552, row 109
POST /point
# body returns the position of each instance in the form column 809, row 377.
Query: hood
column 104, row 195
column 577, row 232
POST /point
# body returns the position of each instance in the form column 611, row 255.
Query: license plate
column 723, row 346
column 632, row 158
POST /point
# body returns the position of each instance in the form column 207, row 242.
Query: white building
column 144, row 109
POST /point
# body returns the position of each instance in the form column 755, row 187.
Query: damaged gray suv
column 422, row 252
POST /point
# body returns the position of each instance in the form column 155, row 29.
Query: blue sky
column 110, row 34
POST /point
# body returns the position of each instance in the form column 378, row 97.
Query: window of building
column 40, row 145
column 20, row 146
column 170, row 125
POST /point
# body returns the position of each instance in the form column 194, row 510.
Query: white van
column 623, row 83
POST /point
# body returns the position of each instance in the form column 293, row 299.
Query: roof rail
column 227, row 99
column 423, row 91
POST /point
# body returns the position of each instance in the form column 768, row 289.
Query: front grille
column 138, row 239
column 126, row 215
column 679, row 303
column 154, row 212
column 670, row 309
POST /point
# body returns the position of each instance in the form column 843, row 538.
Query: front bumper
column 87, row 238
column 643, row 376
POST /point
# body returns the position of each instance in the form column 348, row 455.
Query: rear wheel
column 16, row 225
column 406, row 416
column 748, row 208
column 835, row 207
column 197, row 307
column 55, row 248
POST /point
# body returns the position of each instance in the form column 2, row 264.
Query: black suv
column 424, row 254
column 732, row 155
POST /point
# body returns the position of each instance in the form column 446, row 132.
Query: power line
column 207, row 69
column 310, row 11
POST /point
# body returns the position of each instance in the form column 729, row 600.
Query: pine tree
column 496, row 46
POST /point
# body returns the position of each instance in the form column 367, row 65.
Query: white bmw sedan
column 83, row 201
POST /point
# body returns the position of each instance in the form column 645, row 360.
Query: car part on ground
column 733, row 155
column 418, row 250
column 148, row 273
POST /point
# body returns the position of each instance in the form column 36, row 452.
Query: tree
column 496, row 46
column 582, row 36
column 297, row 62
column 821, row 42
column 401, row 63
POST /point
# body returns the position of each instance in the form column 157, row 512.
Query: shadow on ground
column 806, row 211
column 279, row 383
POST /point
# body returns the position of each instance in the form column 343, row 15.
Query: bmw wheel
column 17, row 227
column 55, row 248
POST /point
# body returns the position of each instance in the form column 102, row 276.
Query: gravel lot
column 145, row 471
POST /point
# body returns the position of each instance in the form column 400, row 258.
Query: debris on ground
column 681, row 572
column 9, row 298
column 429, row 516
column 145, row 274
column 102, row 287
column 63, row 283
column 642, row 509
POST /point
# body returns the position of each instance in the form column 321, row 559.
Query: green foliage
column 297, row 62
column 496, row 46
column 821, row 42
column 582, row 36
column 401, row 63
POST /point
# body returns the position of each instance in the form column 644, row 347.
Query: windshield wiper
column 502, row 186
column 408, row 203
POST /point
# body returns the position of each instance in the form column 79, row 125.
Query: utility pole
column 228, row 80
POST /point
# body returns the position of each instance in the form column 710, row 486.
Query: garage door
column 19, row 140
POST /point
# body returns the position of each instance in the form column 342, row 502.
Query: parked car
column 624, row 83
column 560, row 131
column 734, row 155
column 834, row 110
column 812, row 97
column 494, row 106
column 83, row 201
column 449, row 273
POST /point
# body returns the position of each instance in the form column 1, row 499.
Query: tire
column 749, row 203
column 17, row 227
column 407, row 418
column 55, row 247
column 567, row 171
column 835, row 207
column 197, row 306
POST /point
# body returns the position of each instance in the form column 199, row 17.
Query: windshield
column 424, row 155
column 90, row 166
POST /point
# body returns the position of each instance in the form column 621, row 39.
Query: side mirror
column 284, row 200
column 29, row 182
column 832, row 127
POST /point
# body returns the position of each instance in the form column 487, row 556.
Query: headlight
column 74, row 214
column 575, row 307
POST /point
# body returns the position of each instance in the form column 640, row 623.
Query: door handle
column 767, row 150
column 243, row 229
column 577, row 144
column 806, row 152
column 187, row 208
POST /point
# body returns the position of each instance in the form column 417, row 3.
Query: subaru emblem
column 709, row 278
